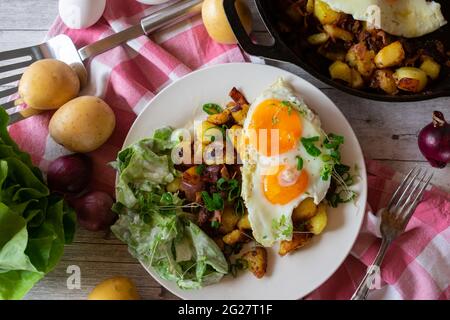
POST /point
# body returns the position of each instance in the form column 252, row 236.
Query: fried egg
column 407, row 18
column 277, row 170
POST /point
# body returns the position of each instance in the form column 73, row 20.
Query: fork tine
column 10, row 79
column 400, row 187
column 415, row 183
column 404, row 189
column 8, row 92
column 17, row 53
column 418, row 197
column 15, row 66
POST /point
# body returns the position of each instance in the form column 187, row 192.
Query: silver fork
column 62, row 48
column 394, row 219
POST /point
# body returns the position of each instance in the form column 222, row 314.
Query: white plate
column 289, row 277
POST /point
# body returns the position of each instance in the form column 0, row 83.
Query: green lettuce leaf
column 34, row 225
column 152, row 222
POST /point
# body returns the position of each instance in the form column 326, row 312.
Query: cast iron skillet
column 279, row 51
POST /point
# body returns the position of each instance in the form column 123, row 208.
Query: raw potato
column 257, row 261
column 411, row 79
column 305, row 210
column 431, row 68
column 318, row 223
column 83, row 124
column 217, row 24
column 117, row 288
column 390, row 55
column 340, row 70
column 48, row 84
column 229, row 220
column 298, row 240
column 324, row 13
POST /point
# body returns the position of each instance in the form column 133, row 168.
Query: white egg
column 81, row 14
column 407, row 18
column 273, row 183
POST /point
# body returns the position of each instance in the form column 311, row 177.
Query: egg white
column 407, row 18
column 272, row 222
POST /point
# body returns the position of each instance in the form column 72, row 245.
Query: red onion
column 94, row 210
column 434, row 141
column 69, row 174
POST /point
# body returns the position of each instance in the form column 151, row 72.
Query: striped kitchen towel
column 417, row 266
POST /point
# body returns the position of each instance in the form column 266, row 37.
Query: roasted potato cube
column 239, row 113
column 229, row 220
column 390, row 56
column 305, row 210
column 257, row 261
column 318, row 38
column 431, row 68
column 238, row 97
column 235, row 136
column 340, row 70
column 384, row 80
column 234, row 237
column 337, row 33
column 410, row 79
column 174, row 186
column 310, row 6
column 318, row 223
column 357, row 80
column 324, row 13
column 298, row 240
column 244, row 223
column 219, row 243
column 359, row 57
column 207, row 132
column 220, row 118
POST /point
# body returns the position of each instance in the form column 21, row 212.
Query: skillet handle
column 278, row 51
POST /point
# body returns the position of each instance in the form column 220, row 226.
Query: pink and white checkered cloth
column 417, row 266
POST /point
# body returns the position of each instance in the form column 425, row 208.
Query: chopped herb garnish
column 199, row 169
column 227, row 184
column 299, row 163
column 212, row 203
column 213, row 138
column 166, row 199
column 288, row 105
column 308, row 143
column 212, row 108
column 326, row 171
column 215, row 224
column 333, row 141
column 239, row 208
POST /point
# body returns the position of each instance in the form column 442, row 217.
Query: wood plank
column 27, row 14
column 54, row 286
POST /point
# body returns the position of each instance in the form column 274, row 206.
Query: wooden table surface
column 387, row 132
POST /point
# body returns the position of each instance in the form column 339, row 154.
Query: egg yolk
column 276, row 128
column 284, row 185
